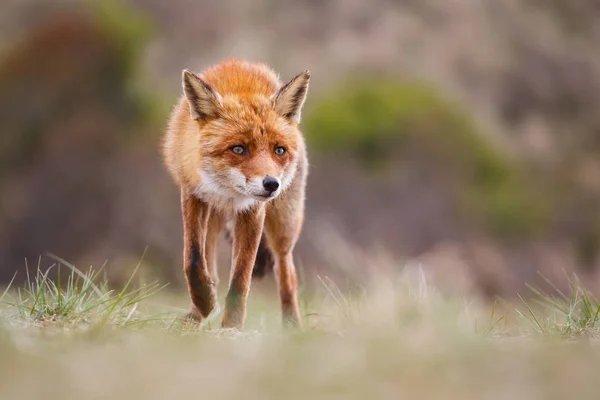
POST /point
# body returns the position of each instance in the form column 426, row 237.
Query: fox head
column 249, row 142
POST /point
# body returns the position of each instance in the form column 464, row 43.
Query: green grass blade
column 72, row 267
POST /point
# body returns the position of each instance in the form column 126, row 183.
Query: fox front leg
column 202, row 290
column 246, row 238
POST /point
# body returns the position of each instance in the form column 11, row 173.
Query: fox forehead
column 249, row 120
column 249, row 111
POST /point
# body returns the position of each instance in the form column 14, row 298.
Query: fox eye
column 280, row 150
column 239, row 150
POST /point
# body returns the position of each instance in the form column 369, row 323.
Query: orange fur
column 234, row 129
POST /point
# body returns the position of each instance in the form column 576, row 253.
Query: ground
column 395, row 337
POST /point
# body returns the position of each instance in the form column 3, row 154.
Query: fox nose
column 270, row 184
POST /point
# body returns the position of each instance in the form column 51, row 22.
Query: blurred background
column 461, row 135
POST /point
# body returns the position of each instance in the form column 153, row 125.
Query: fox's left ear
column 289, row 99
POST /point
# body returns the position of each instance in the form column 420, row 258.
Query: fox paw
column 205, row 298
column 193, row 315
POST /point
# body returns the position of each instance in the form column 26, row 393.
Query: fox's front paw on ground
column 193, row 315
column 204, row 299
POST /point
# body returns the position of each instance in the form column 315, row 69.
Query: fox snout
column 261, row 187
column 266, row 187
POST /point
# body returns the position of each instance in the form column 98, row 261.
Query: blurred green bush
column 70, row 66
column 73, row 108
column 384, row 122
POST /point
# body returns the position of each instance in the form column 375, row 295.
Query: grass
column 79, row 299
column 396, row 337
column 572, row 314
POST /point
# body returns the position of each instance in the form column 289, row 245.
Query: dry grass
column 397, row 337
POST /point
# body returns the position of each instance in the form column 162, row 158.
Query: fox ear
column 289, row 99
column 204, row 102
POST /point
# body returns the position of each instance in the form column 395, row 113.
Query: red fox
column 234, row 149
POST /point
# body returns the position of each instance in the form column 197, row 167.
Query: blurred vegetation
column 130, row 30
column 67, row 66
column 382, row 121
column 72, row 106
column 126, row 27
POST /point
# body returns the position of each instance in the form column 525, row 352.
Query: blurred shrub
column 70, row 65
column 387, row 122
column 129, row 30
column 363, row 118
column 69, row 109
column 126, row 28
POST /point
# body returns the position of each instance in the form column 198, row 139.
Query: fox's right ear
column 289, row 99
column 204, row 102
